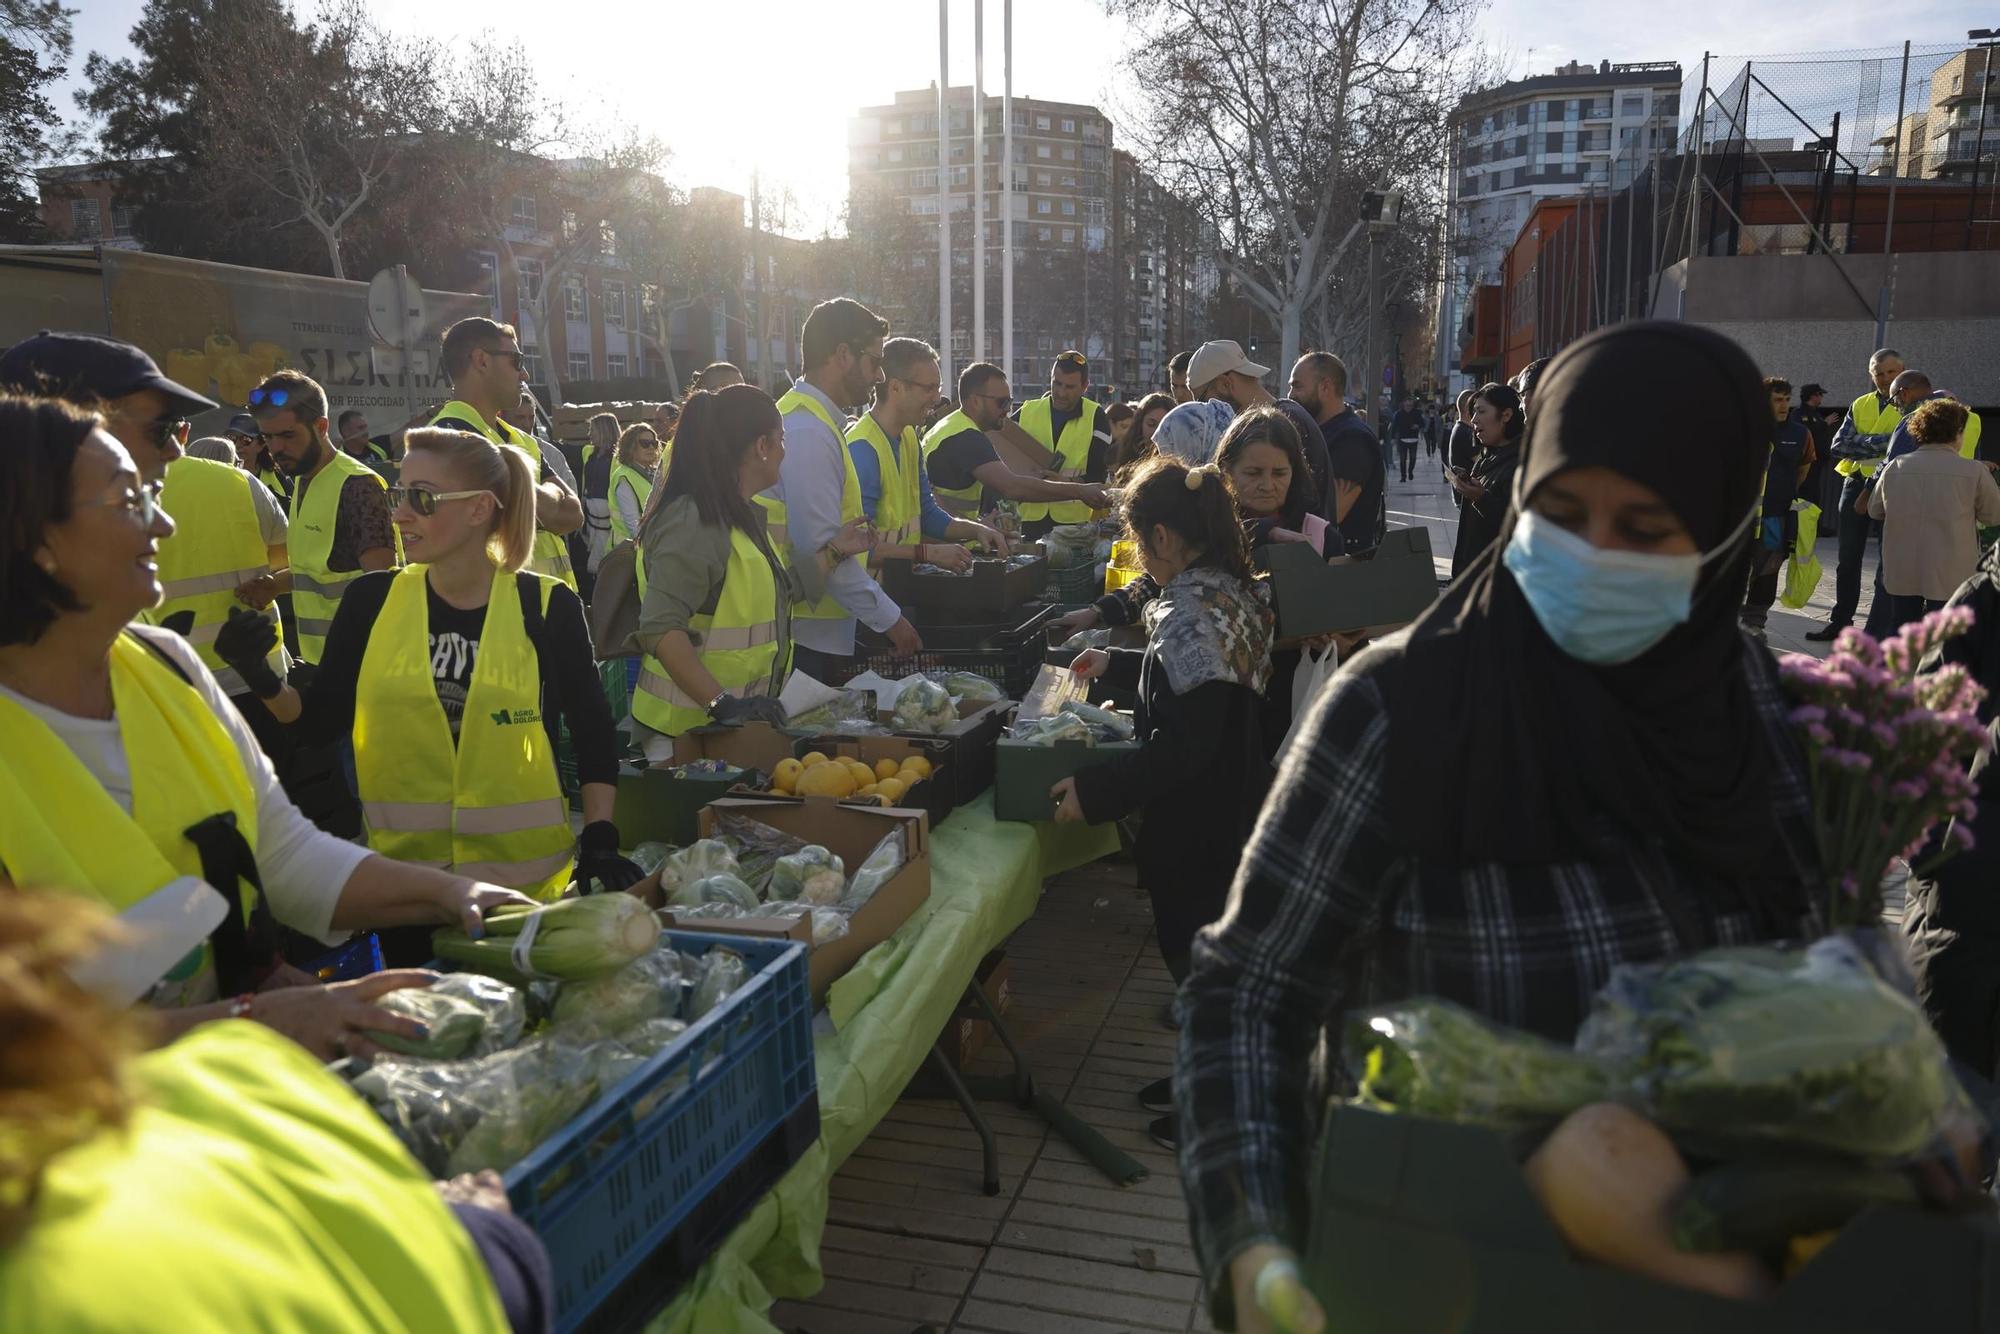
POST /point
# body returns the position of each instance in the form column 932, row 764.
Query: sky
column 768, row 86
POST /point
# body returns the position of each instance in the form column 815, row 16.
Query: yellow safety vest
column 642, row 488
column 250, row 1190
column 490, row 807
column 275, row 484
column 828, row 608
column 738, row 644
column 550, row 555
column 217, row 545
column 59, row 829
column 899, row 513
column 1874, row 414
column 316, row 590
column 965, row 500
column 1072, row 451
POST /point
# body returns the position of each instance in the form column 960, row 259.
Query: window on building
column 579, row 365
column 572, row 298
column 531, row 363
column 1044, row 179
column 1631, row 105
column 1069, row 181
column 614, row 305
column 121, row 221
column 489, row 278
column 83, row 219
column 893, row 125
column 607, row 240
column 1041, row 122
column 1069, row 208
column 895, row 155
column 1068, row 125
column 1044, row 234
column 524, row 212
column 529, row 274
column 1553, row 142
column 1042, row 206
column 1069, row 236
column 1068, row 153
column 924, row 180
column 1558, row 110
column 616, row 366
column 1042, row 151
column 569, row 224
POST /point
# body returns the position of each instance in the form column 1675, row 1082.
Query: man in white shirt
column 817, row 491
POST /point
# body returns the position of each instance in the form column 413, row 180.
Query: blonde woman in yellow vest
column 489, row 378
column 125, row 767
column 716, row 598
column 633, row 476
column 450, row 676
column 340, row 525
column 224, row 1182
column 895, row 490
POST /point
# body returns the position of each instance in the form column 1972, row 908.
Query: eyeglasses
column 1002, row 399
column 269, row 398
column 928, row 386
column 425, row 501
column 161, row 430
column 506, row 353
column 142, row 501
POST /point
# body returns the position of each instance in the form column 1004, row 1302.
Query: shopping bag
column 1313, row 674
column 1803, row 568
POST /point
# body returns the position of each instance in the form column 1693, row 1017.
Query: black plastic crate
column 990, row 591
column 1008, row 655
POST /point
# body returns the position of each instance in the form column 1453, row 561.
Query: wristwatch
column 720, row 695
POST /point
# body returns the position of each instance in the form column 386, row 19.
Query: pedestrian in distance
column 1932, row 502
column 1355, row 502
column 1858, row 449
column 1406, row 427
column 1177, row 377
column 1622, row 782
column 1778, row 526
column 1485, row 490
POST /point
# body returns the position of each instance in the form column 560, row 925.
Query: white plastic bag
column 1312, row 676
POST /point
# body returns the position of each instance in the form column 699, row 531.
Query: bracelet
column 240, row 1007
column 1278, row 1269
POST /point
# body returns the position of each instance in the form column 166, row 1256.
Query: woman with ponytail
column 715, row 598
column 1201, row 776
column 453, row 675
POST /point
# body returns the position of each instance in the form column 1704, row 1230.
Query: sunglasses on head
column 269, row 398
column 425, row 501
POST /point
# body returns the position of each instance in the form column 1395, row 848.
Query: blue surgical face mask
column 1602, row 607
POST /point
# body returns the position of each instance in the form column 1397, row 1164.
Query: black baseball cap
column 244, row 424
column 1810, row 390
column 76, row 365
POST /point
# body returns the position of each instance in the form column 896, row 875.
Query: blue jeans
column 1855, row 530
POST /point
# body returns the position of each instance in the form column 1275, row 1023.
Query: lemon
column 785, row 776
column 812, row 758
column 886, row 768
column 893, row 789
column 919, row 764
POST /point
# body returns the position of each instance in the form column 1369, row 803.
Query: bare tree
column 1273, row 114
column 319, row 117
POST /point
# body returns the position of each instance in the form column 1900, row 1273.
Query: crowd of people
column 329, row 673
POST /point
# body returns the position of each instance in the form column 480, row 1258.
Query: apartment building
column 1164, row 277
column 1963, row 112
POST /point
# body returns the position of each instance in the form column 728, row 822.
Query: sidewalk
column 1428, row 501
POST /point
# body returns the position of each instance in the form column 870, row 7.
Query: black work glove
column 599, row 868
column 731, row 711
column 181, row 623
column 245, row 642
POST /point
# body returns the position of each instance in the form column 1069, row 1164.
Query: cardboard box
column 1024, row 771
column 655, row 806
column 1316, row 597
column 968, row 1034
column 748, row 746
column 935, row 796
column 849, row 832
column 1422, row 1225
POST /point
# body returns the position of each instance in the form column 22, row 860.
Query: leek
column 574, row 938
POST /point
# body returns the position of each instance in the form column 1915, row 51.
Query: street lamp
column 1381, row 210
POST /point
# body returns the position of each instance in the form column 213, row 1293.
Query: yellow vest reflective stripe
column 217, row 545
column 275, row 484
column 59, row 829
column 491, row 807
column 899, row 513
column 1873, row 414
column 550, row 554
column 827, row 608
column 316, row 590
column 642, row 488
column 965, row 500
column 738, row 644
column 270, row 1197
column 1072, row 451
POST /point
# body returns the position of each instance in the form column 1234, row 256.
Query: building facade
column 1961, row 122
column 1578, row 129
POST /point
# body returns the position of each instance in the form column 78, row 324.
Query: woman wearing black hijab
column 1571, row 762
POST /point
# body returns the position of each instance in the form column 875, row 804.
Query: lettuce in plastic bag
column 722, row 972
column 877, row 870
column 723, row 887
column 705, row 857
column 1108, row 725
column 1056, row 727
column 967, row 685
column 468, row 1015
column 810, row 875
column 924, row 706
column 647, row 988
column 1428, row 1057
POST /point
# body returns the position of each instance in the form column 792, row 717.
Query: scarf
column 1507, row 749
column 1208, row 625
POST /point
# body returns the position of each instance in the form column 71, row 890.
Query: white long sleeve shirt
column 809, row 484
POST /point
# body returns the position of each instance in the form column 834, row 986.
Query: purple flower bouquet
column 1887, row 749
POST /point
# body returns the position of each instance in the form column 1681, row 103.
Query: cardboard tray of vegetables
column 638, row 1090
column 1749, row 1139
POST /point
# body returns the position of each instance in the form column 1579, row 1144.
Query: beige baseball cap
column 1219, row 357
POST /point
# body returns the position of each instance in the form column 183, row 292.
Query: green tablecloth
column 986, row 877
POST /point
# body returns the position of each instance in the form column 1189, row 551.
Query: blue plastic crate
column 632, row 1194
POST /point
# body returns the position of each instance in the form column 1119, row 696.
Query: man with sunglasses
column 965, row 467
column 895, row 489
column 818, row 491
column 228, row 531
column 489, row 378
column 1074, row 431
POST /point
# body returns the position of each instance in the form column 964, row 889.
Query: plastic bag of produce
column 1736, row 1050
column 971, row 686
column 811, row 875
column 1084, row 639
column 468, row 1015
column 722, row 972
column 924, row 706
column 758, row 847
column 705, row 857
column 650, row 857
column 877, row 870
column 721, row 888
column 1109, row 726
column 1432, row 1058
column 829, row 923
column 465, row 1116
column 1055, row 727
column 848, row 712
column 568, row 939
column 647, row 988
